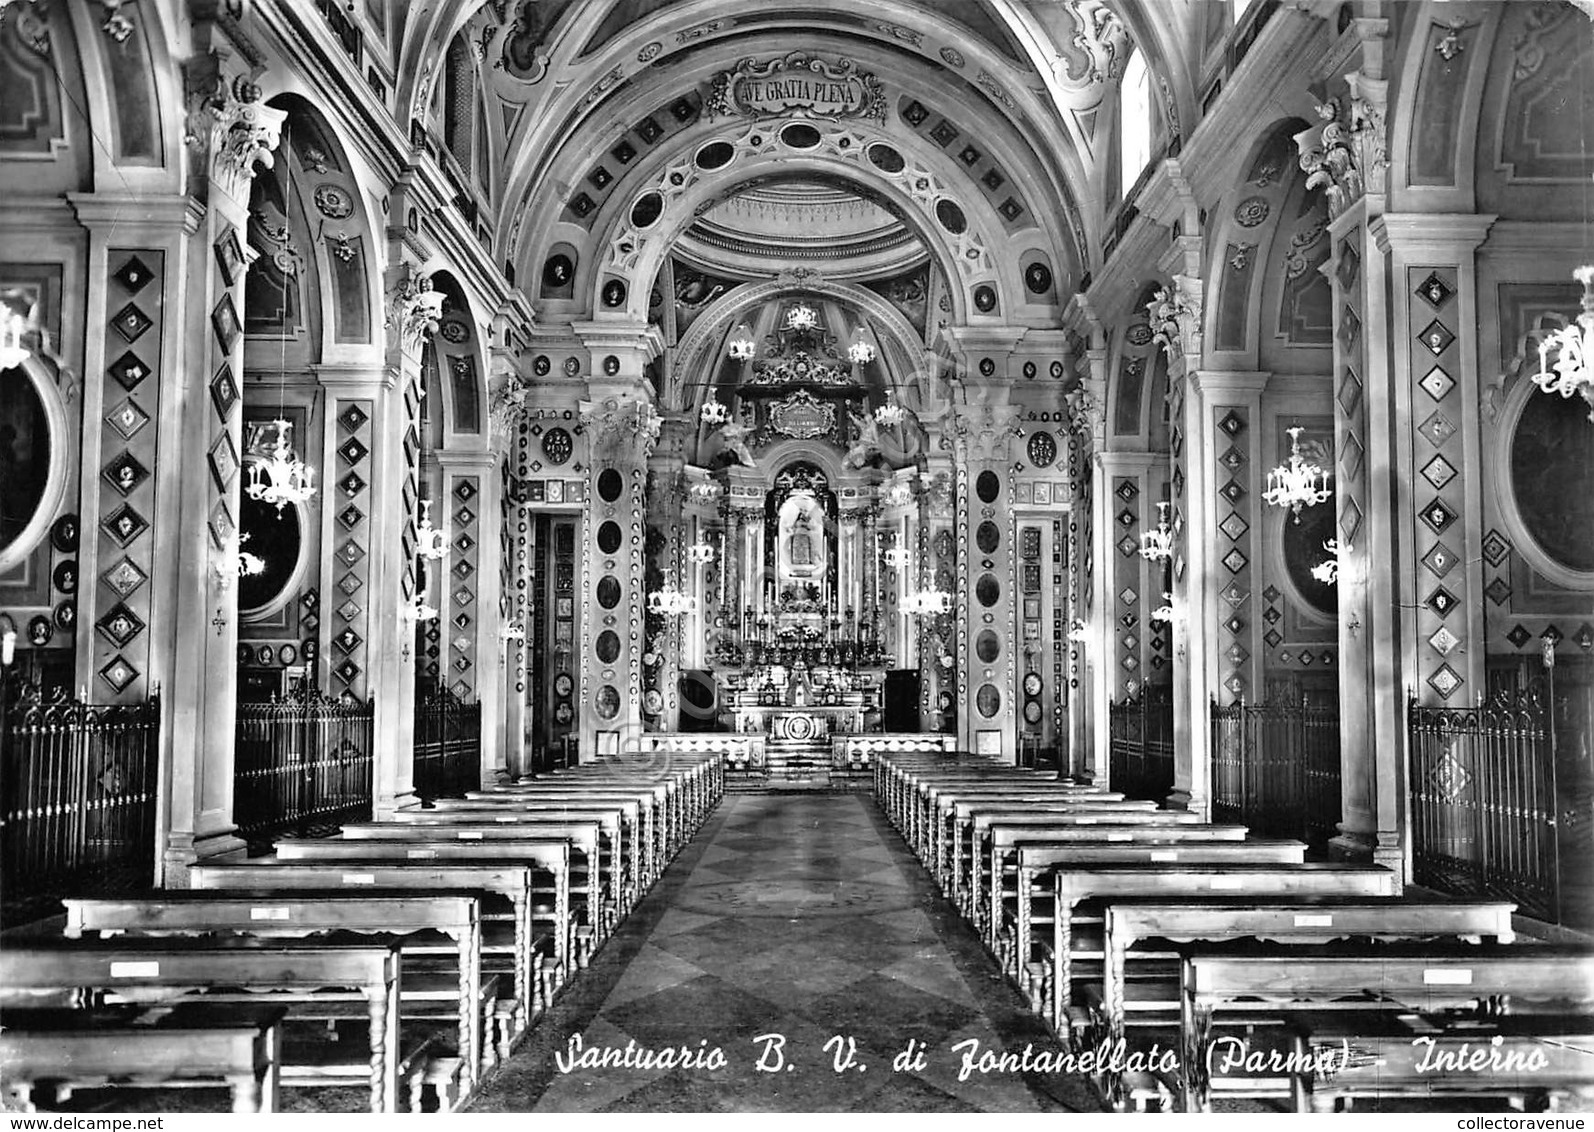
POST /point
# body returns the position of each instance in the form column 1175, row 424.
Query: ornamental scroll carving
column 796, row 84
column 1176, row 319
column 413, row 309
column 622, row 428
column 228, row 123
column 1346, row 156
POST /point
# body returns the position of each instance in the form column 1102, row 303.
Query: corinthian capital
column 413, row 309
column 1176, row 318
column 229, row 124
column 629, row 427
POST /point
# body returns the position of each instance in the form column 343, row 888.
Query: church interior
column 672, row 552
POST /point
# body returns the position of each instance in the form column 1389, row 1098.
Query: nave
column 582, row 969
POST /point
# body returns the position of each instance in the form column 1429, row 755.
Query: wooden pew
column 269, row 914
column 636, row 811
column 143, row 1047
column 1072, row 884
column 943, row 800
column 997, row 837
column 535, row 981
column 60, row 971
column 602, row 853
column 1427, row 980
column 542, row 852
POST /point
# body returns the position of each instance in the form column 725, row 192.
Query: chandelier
column 802, row 317
column 891, row 413
column 1157, row 545
column 714, row 412
column 929, row 603
column 431, row 542
column 1573, row 345
column 671, row 602
column 1328, row 572
column 1296, row 484
column 416, row 610
column 860, row 353
column 17, row 324
column 283, row 478
column 700, row 552
column 742, row 347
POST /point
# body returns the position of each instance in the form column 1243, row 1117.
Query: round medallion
column 952, row 56
column 1029, row 371
column 610, row 537
column 557, row 272
column 309, row 649
column 1032, row 683
column 608, row 591
column 40, row 630
column 65, row 615
column 1138, row 334
column 334, row 201
column 607, row 702
column 610, row 485
column 988, row 700
column 572, row 366
column 1032, row 712
column 246, row 655
column 988, row 590
column 563, row 713
column 265, row 654
column 287, row 654
column 563, row 684
column 652, row 701
column 987, row 367
column 454, row 330
column 64, row 534
column 607, row 647
column 1250, row 212
column 1057, row 371
column 540, row 365
column 985, row 299
column 558, row 445
column 988, row 536
column 988, row 485
column 1038, row 278
column 1042, row 449
column 987, row 646
column 614, row 293
column 65, row 577
column 644, row 214
column 714, row 155
column 611, row 365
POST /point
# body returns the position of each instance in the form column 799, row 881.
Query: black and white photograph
column 630, row 557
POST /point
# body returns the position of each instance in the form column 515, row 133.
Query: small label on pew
column 1164, row 855
column 1227, row 882
column 1120, row 837
column 1082, row 820
column 1447, row 976
column 359, row 878
column 468, row 834
column 139, row 970
column 421, row 854
column 270, row 914
column 504, row 819
column 1314, row 921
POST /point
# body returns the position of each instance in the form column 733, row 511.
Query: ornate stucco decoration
column 798, row 84
column 622, row 427
column 802, row 417
column 229, row 123
column 508, row 404
column 1346, row 156
column 983, row 431
column 413, row 309
column 1100, row 45
column 1176, row 318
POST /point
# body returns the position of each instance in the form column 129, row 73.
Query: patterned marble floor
column 802, row 916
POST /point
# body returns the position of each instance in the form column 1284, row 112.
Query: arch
column 710, row 327
column 62, row 437
column 634, row 254
column 461, row 360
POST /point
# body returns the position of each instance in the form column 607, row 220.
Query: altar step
column 798, row 761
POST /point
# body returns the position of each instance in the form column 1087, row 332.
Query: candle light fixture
column 1297, row 484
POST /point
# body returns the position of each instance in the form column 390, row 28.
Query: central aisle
column 798, row 915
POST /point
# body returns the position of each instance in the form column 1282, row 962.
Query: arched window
column 1134, row 121
column 459, row 100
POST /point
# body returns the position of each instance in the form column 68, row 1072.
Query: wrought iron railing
column 302, row 764
column 78, row 786
column 448, row 745
column 1140, row 751
column 1275, row 768
column 1483, row 802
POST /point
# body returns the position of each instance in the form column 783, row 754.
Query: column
column 666, row 509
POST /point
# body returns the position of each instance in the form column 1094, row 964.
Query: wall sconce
column 1157, row 545
column 1328, row 572
column 930, row 603
column 512, row 631
column 896, row 558
column 700, row 553
column 1078, row 630
column 234, row 563
column 671, row 602
column 431, row 542
column 742, row 347
column 416, row 610
column 1164, row 614
column 714, row 412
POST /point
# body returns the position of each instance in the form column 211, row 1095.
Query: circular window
column 988, row 537
column 988, row 485
column 1303, row 549
column 648, row 208
column 886, row 159
column 607, row 647
column 951, row 216
column 276, row 538
column 608, row 591
column 607, row 702
column 800, row 136
column 988, row 590
column 715, row 155
column 988, row 700
column 1552, row 479
column 987, row 646
column 610, row 485
column 610, row 537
